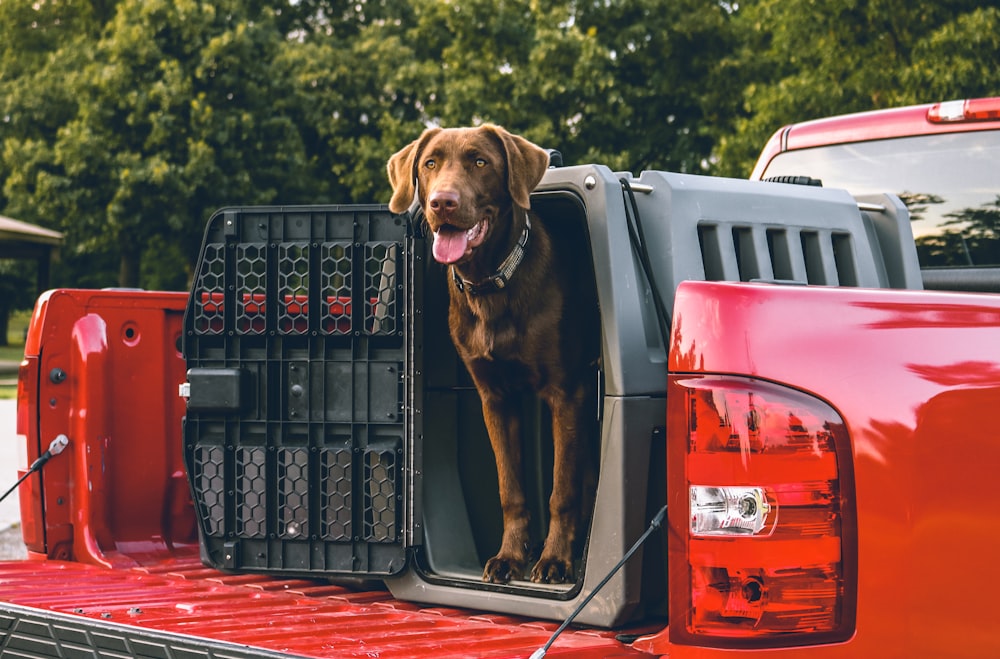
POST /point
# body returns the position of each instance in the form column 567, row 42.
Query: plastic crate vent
column 295, row 434
column 748, row 252
column 291, row 297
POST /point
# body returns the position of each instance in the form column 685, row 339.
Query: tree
column 627, row 84
column 620, row 83
column 955, row 60
column 359, row 98
column 177, row 109
column 971, row 236
column 126, row 123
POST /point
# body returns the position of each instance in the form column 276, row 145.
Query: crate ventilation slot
column 735, row 252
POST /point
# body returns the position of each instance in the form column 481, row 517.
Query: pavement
column 12, row 457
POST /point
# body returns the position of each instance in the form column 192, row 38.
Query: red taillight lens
column 26, row 380
column 973, row 109
column 763, row 548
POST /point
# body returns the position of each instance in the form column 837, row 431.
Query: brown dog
column 521, row 317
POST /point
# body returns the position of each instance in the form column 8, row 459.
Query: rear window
column 950, row 183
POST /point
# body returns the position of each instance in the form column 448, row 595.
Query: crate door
column 297, row 437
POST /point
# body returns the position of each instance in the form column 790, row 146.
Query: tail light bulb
column 728, row 511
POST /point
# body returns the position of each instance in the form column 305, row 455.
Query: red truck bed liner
column 53, row 604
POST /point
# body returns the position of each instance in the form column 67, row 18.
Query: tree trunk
column 4, row 323
column 128, row 270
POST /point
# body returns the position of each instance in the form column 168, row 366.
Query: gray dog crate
column 332, row 432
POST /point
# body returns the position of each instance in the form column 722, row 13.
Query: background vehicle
column 940, row 159
column 773, row 371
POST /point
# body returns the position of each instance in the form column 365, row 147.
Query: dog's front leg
column 503, row 426
column 555, row 565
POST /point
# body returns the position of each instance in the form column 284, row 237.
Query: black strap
column 499, row 279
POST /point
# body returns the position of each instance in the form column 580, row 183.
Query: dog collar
column 499, row 279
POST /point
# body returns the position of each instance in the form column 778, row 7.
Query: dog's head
column 466, row 179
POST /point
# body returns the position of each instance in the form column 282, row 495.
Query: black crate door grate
column 297, row 440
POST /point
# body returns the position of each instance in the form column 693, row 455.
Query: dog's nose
column 443, row 202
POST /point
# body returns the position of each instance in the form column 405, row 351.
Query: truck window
column 949, row 182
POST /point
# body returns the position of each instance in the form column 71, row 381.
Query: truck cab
column 940, row 159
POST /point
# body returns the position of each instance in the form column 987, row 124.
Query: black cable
column 14, row 487
column 653, row 525
column 638, row 240
column 55, row 448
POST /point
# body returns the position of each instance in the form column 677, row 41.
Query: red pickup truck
column 288, row 461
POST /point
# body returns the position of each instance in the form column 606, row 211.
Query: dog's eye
column 430, row 163
column 480, row 162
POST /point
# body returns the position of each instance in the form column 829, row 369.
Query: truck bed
column 179, row 608
column 113, row 567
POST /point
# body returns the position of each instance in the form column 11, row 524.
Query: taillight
column 26, row 381
column 973, row 109
column 763, row 541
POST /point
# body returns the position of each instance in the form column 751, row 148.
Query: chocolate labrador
column 521, row 316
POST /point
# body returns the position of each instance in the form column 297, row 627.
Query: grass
column 13, row 352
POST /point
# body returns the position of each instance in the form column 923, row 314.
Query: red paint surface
column 300, row 617
column 118, row 494
column 915, row 375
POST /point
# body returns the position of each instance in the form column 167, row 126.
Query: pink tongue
column 449, row 244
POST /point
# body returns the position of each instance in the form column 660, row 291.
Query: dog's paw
column 552, row 570
column 502, row 570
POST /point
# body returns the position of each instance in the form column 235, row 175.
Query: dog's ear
column 402, row 169
column 526, row 164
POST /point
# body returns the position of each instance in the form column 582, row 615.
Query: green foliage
column 806, row 59
column 620, row 83
column 173, row 110
column 126, row 123
column 958, row 59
